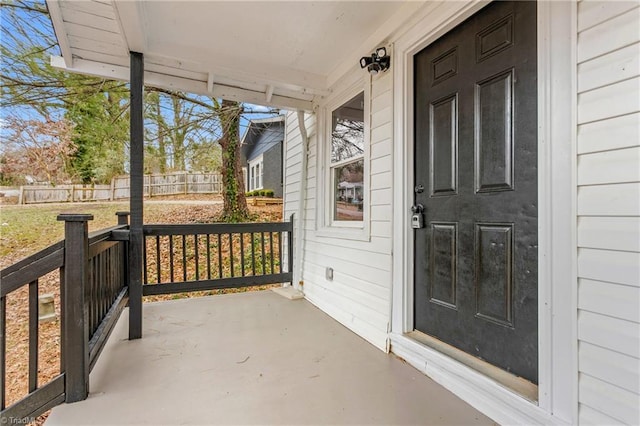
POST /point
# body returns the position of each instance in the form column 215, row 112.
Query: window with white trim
column 256, row 173
column 346, row 165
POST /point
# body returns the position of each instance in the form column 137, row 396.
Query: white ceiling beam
column 295, row 80
column 131, row 18
column 269, row 93
column 117, row 72
column 210, row 82
column 58, row 25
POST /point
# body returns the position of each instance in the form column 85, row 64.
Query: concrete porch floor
column 255, row 358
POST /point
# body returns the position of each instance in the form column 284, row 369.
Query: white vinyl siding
column 360, row 292
column 608, row 223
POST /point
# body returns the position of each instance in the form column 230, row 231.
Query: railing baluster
column 184, row 258
column 33, row 335
column 195, row 241
column 271, row 250
column 171, row 257
column 219, row 256
column 242, row 252
column 279, row 234
column 92, row 292
column 146, row 262
column 158, row 259
column 253, row 255
column 208, row 257
column 231, row 253
column 264, row 255
column 3, row 351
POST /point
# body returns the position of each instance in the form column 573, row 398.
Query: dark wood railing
column 194, row 257
column 94, row 280
column 93, row 291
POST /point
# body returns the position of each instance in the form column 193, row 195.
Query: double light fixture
column 378, row 62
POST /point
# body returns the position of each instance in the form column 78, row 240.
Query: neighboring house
column 262, row 154
column 511, row 128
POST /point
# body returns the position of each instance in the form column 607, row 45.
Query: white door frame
column 557, row 313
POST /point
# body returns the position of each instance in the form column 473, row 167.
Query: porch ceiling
column 285, row 54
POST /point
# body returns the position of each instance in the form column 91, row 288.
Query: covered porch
column 254, row 358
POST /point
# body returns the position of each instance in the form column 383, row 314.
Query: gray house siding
column 272, row 163
column 265, row 139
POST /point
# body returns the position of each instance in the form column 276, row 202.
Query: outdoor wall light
column 379, row 61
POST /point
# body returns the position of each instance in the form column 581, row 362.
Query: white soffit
column 266, row 52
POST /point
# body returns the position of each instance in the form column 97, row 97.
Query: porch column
column 136, row 155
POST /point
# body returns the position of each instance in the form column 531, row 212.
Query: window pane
column 349, row 191
column 347, row 130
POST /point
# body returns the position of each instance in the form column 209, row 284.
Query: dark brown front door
column 476, row 259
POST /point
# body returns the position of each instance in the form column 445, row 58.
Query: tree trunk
column 235, row 203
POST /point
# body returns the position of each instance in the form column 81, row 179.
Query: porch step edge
column 289, row 292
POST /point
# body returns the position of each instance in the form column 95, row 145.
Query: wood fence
column 119, row 189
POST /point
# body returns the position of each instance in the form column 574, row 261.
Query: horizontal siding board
column 611, row 333
column 381, row 180
column 372, row 317
column 591, row 417
column 612, row 68
column 377, row 291
column 609, row 366
column 620, row 267
column 351, row 255
column 609, row 101
column 381, row 133
column 614, row 133
column 614, row 300
column 381, row 84
column 381, row 213
column 592, row 13
column 374, row 275
column 610, row 233
column 381, row 229
column 373, row 335
column 619, row 166
column 374, row 245
column 381, row 197
column 381, row 149
column 610, row 35
column 381, row 117
column 382, row 101
column 611, row 400
column 381, row 164
column 342, row 285
column 609, row 200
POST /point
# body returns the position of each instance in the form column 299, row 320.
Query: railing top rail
column 41, row 263
column 216, row 228
column 33, row 267
column 104, row 234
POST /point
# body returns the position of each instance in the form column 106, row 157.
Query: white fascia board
column 117, row 72
column 58, row 27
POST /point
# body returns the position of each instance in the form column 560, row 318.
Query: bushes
column 260, row 193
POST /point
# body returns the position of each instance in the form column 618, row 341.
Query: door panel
column 476, row 153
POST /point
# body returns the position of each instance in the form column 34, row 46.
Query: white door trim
column 557, row 398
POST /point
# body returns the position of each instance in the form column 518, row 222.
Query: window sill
column 346, row 233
